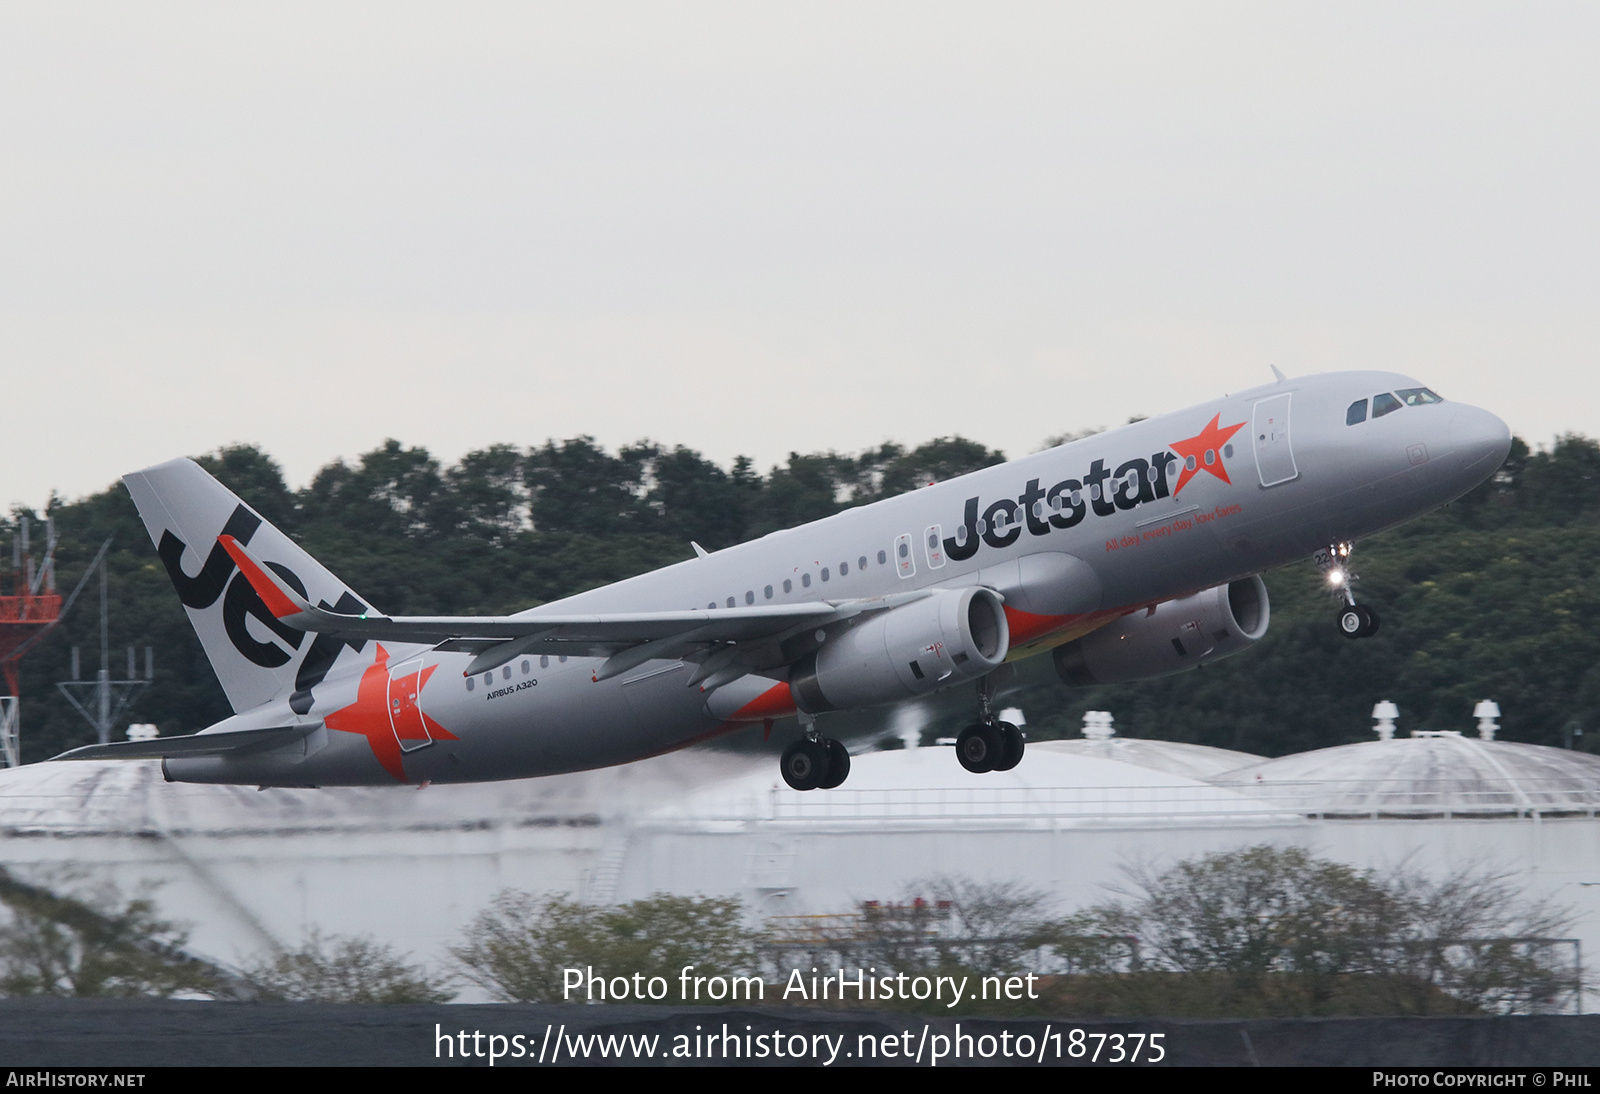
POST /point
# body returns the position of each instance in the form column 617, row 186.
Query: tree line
column 1489, row 597
column 1261, row 931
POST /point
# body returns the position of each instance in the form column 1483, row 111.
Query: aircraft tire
column 838, row 764
column 979, row 747
column 1012, row 746
column 805, row 764
column 1372, row 623
column 1353, row 621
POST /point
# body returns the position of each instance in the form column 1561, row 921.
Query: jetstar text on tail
column 1102, row 491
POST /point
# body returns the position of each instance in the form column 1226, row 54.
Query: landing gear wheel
column 1012, row 746
column 805, row 764
column 1351, row 621
column 980, row 747
column 1358, row 621
column 838, row 764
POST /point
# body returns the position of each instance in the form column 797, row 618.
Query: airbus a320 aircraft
column 1126, row 555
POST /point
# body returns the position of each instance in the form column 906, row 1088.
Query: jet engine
column 953, row 635
column 1169, row 637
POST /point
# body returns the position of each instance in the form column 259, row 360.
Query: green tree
column 520, row 946
column 1269, row 930
column 1489, row 597
column 99, row 945
column 579, row 488
column 344, row 970
column 891, row 470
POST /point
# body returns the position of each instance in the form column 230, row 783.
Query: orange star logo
column 1205, row 450
column 386, row 712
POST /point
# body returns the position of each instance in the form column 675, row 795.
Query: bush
column 344, row 970
column 518, row 947
column 1269, row 930
column 94, row 945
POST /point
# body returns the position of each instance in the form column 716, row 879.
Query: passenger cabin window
column 805, row 579
column 1357, row 413
column 788, row 586
column 1385, row 404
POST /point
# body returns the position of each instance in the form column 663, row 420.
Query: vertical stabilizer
column 256, row 657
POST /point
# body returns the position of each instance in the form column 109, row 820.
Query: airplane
column 1126, row 555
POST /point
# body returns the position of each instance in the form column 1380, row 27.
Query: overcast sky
column 756, row 228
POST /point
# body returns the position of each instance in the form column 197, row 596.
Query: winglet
column 1281, row 377
column 280, row 599
column 700, row 552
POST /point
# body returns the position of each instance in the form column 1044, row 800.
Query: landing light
column 1336, row 577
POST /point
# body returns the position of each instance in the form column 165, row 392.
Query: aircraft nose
column 1481, row 440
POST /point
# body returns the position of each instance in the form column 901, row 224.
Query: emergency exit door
column 1274, row 453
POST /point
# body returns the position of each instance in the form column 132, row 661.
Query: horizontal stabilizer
column 197, row 744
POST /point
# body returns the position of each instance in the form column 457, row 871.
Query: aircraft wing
column 626, row 639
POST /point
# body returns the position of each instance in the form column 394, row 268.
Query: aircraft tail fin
column 257, row 658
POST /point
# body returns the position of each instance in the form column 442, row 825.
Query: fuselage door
column 1274, row 456
column 405, row 714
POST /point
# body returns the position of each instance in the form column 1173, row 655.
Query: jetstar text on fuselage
column 1102, row 491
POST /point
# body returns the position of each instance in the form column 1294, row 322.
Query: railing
column 1357, row 799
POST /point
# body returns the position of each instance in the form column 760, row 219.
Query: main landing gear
column 814, row 762
column 988, row 744
column 1354, row 620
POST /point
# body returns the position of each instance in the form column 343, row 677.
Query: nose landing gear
column 1354, row 620
column 1357, row 621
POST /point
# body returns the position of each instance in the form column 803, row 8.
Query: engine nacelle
column 953, row 635
column 1173, row 636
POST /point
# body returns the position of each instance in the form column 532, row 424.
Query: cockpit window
column 1385, row 404
column 1357, row 413
column 1417, row 396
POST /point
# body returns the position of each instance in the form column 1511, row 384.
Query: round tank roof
column 1173, row 757
column 1427, row 774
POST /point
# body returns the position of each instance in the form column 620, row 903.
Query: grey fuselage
column 1292, row 478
